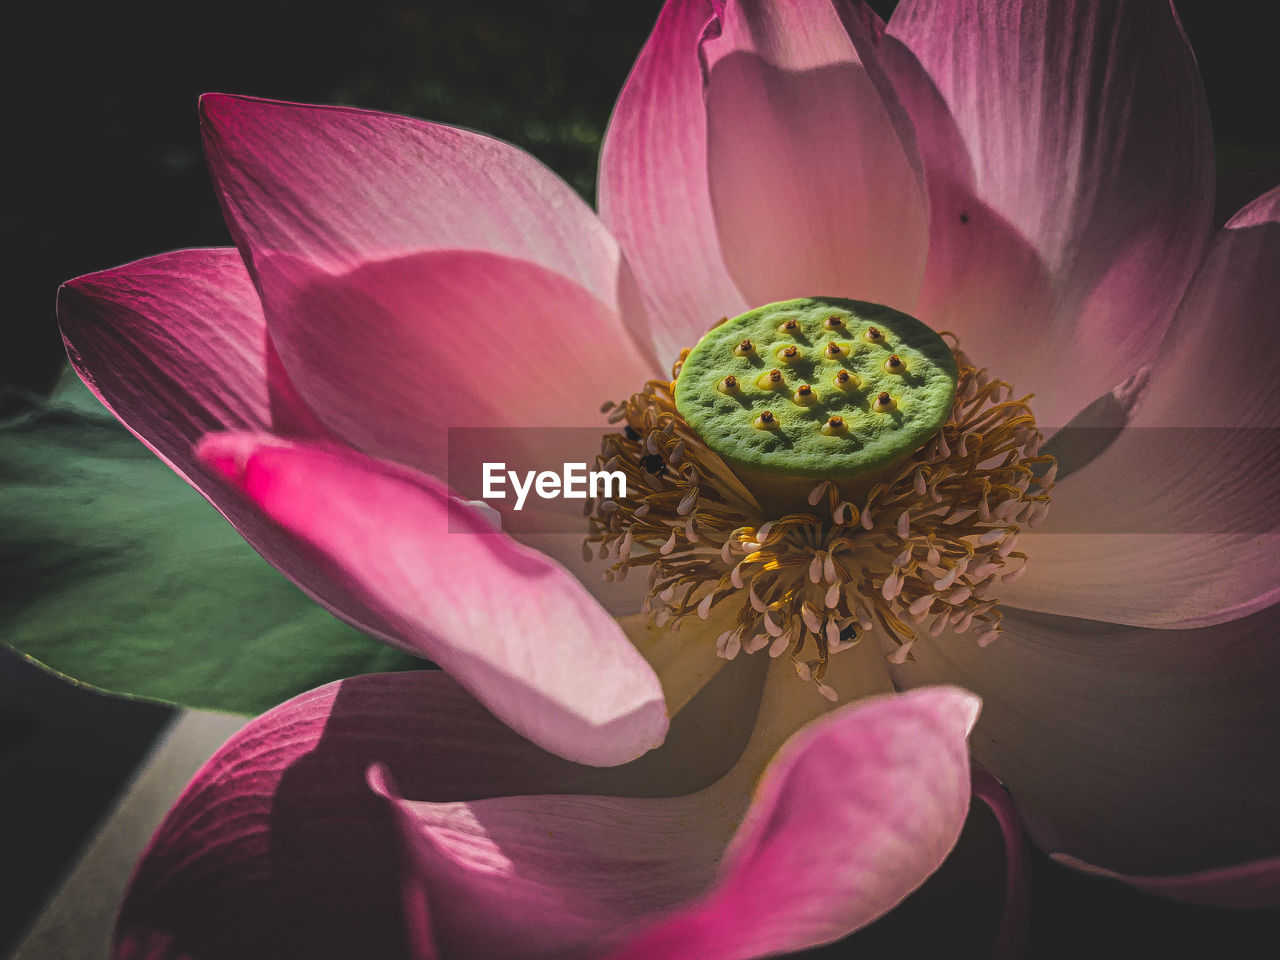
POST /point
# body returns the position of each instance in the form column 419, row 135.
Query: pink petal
column 395, row 354
column 852, row 815
column 545, row 876
column 279, row 849
column 654, row 194
column 507, row 622
column 813, row 189
column 321, row 199
column 1070, row 114
column 342, row 187
column 276, row 850
column 1147, row 751
column 176, row 347
column 182, row 328
column 572, row 873
column 1255, row 884
column 1195, row 475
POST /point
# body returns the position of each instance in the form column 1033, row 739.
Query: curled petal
column 278, row 848
column 1011, row 939
column 508, row 623
column 852, row 815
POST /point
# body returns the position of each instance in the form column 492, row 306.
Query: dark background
column 102, row 165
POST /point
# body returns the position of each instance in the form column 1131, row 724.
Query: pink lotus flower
column 1036, row 177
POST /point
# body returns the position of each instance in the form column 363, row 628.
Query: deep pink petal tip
column 509, row 623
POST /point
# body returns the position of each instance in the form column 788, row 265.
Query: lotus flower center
column 819, row 470
column 906, row 383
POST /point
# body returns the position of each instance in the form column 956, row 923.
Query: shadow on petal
column 278, row 848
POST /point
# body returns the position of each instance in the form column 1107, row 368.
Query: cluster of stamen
column 922, row 551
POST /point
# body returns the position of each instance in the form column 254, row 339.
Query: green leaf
column 119, row 575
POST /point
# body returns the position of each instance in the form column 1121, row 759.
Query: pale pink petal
column 342, row 187
column 1146, row 751
column 853, row 814
column 1176, row 522
column 814, row 191
column 1255, row 884
column 321, row 198
column 1170, row 580
column 278, row 848
column 409, row 358
column 939, row 141
column 653, row 188
column 1087, row 134
column 987, row 284
column 984, row 278
column 507, row 622
column 1225, row 331
column 176, row 347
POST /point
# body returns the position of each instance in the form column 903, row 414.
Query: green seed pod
column 880, row 350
